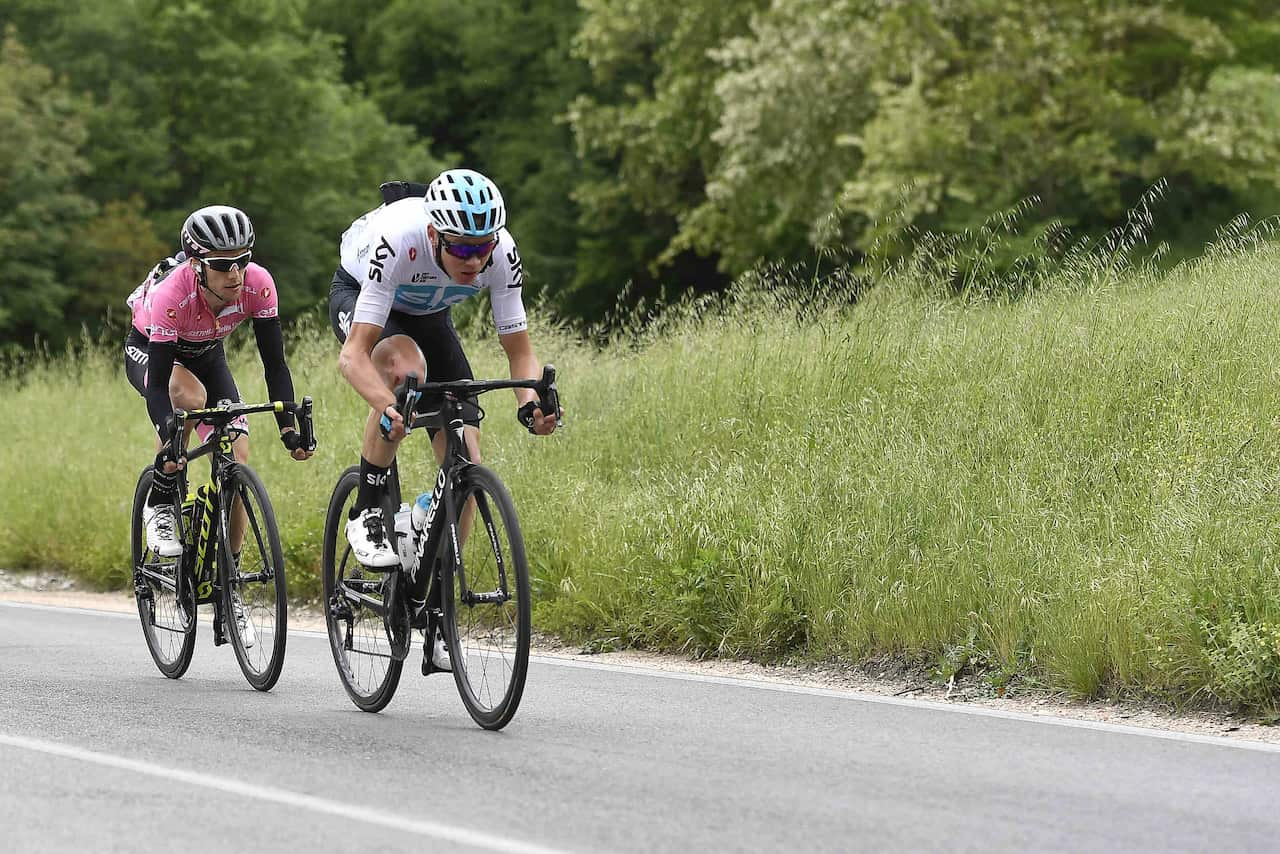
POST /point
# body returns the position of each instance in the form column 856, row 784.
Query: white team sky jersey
column 387, row 252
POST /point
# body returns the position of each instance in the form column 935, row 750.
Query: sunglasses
column 466, row 251
column 224, row 265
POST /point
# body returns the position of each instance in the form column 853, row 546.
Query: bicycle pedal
column 418, row 614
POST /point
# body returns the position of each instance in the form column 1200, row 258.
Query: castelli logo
column 170, row 313
column 266, row 292
column 413, row 253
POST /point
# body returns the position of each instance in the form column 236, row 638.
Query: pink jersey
column 173, row 310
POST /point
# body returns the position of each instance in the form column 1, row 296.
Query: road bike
column 463, row 575
column 231, row 556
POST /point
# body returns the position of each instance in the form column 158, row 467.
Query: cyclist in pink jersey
column 174, row 354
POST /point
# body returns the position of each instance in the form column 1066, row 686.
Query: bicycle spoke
column 353, row 610
column 254, row 599
column 488, row 607
column 168, row 629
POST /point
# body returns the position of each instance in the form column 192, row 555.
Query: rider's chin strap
column 202, row 276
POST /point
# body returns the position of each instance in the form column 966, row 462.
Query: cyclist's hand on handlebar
column 530, row 415
column 391, row 424
column 167, row 462
column 292, row 441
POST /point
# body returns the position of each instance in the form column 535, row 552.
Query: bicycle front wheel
column 254, row 589
column 166, row 606
column 486, row 604
column 354, row 604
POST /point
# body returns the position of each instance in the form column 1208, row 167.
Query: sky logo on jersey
column 517, row 268
column 380, row 255
column 432, row 297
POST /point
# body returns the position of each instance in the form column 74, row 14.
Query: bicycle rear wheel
column 354, row 598
column 169, row 628
column 255, row 595
column 486, row 606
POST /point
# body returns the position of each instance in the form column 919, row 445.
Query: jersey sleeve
column 263, row 302
column 506, row 287
column 165, row 313
column 381, row 256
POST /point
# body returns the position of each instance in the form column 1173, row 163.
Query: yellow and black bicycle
column 231, row 556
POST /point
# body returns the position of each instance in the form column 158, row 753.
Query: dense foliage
column 647, row 147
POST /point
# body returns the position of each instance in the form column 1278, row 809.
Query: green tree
column 117, row 246
column 644, row 129
column 236, row 102
column 937, row 114
column 489, row 96
column 42, row 134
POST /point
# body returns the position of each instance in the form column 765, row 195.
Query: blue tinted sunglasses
column 467, row 251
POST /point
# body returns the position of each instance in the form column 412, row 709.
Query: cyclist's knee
column 396, row 357
column 473, row 443
column 185, row 389
column 187, row 396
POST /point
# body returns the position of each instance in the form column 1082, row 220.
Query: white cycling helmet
column 465, row 203
column 216, row 228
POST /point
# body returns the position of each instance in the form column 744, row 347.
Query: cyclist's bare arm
column 525, row 365
column 356, row 364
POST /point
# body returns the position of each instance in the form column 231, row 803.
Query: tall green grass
column 1076, row 487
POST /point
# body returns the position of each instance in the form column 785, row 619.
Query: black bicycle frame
column 450, row 417
column 199, row 565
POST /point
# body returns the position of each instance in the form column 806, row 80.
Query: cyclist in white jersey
column 403, row 265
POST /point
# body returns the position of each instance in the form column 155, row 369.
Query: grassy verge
column 1077, row 489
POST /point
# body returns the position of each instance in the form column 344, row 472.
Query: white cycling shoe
column 162, row 537
column 438, row 656
column 367, row 534
column 248, row 633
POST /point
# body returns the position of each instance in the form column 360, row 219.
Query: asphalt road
column 99, row 752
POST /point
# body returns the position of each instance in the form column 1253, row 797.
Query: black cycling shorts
column 434, row 334
column 210, row 368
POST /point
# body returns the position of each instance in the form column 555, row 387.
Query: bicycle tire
column 256, row 585
column 488, row 639
column 170, row 633
column 357, row 635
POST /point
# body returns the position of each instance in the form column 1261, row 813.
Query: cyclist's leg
column 395, row 356
column 185, row 392
column 212, row 368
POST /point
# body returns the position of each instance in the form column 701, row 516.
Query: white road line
column 860, row 696
column 324, row 806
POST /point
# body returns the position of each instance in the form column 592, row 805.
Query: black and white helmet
column 464, row 202
column 216, row 228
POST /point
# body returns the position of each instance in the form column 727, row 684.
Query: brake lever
column 306, row 426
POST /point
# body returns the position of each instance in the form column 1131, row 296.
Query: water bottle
column 421, row 508
column 406, row 541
